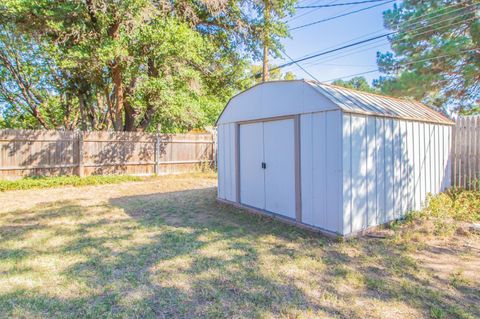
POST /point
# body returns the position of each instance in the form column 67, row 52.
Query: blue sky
column 334, row 33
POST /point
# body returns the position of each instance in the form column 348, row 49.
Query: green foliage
column 274, row 75
column 128, row 65
column 435, row 53
column 59, row 181
column 456, row 204
column 437, row 312
column 443, row 216
column 356, row 83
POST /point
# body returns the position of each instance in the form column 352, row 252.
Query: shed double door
column 267, row 166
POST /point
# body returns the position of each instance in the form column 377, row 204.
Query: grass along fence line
column 59, row 181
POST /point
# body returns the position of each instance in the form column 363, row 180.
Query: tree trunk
column 83, row 111
column 129, row 118
column 152, row 72
column 129, row 110
column 117, row 78
column 266, row 30
column 119, row 101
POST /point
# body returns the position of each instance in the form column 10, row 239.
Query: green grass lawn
column 163, row 248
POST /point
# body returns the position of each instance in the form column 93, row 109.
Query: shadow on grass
column 182, row 255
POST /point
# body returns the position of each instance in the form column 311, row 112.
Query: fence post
column 80, row 154
column 157, row 154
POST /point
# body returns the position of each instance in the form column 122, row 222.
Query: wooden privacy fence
column 39, row 153
column 466, row 153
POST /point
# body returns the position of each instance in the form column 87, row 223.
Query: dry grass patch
column 163, row 248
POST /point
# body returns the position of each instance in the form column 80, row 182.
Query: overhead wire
column 339, row 16
column 336, row 4
column 298, row 64
column 434, row 29
column 350, row 52
column 387, row 34
column 404, row 64
column 380, row 30
column 377, row 37
column 308, row 12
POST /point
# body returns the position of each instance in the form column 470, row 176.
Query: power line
column 416, row 22
column 403, row 64
column 336, row 4
column 432, row 30
column 298, row 64
column 412, row 22
column 339, row 16
column 348, row 53
column 351, row 45
column 438, row 10
column 308, row 12
column 376, row 70
column 371, row 39
column 334, row 50
column 345, row 42
column 317, row 62
column 436, row 16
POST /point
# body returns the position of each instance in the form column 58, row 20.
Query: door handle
column 264, row 165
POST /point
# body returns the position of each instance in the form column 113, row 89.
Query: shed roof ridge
column 435, row 113
column 364, row 92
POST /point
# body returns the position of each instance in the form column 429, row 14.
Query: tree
column 272, row 13
column 127, row 65
column 28, row 78
column 436, row 52
column 275, row 74
column 357, row 83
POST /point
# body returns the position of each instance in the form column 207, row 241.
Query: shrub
column 457, row 204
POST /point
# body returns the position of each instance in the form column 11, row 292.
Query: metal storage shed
column 334, row 159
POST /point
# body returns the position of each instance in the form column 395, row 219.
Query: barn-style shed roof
column 354, row 101
column 280, row 98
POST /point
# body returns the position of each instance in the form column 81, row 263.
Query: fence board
column 465, row 155
column 31, row 152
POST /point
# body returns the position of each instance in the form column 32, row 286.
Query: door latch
column 264, row 165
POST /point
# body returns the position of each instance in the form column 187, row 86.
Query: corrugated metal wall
column 321, row 170
column 389, row 167
column 226, row 162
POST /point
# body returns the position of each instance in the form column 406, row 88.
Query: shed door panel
column 252, row 177
column 279, row 150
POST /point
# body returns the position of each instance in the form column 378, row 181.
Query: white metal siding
column 279, row 157
column 380, row 170
column 252, row 175
column 321, row 159
column 371, row 172
column 272, row 99
column 389, row 167
column 347, row 174
column 226, row 162
column 221, row 161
